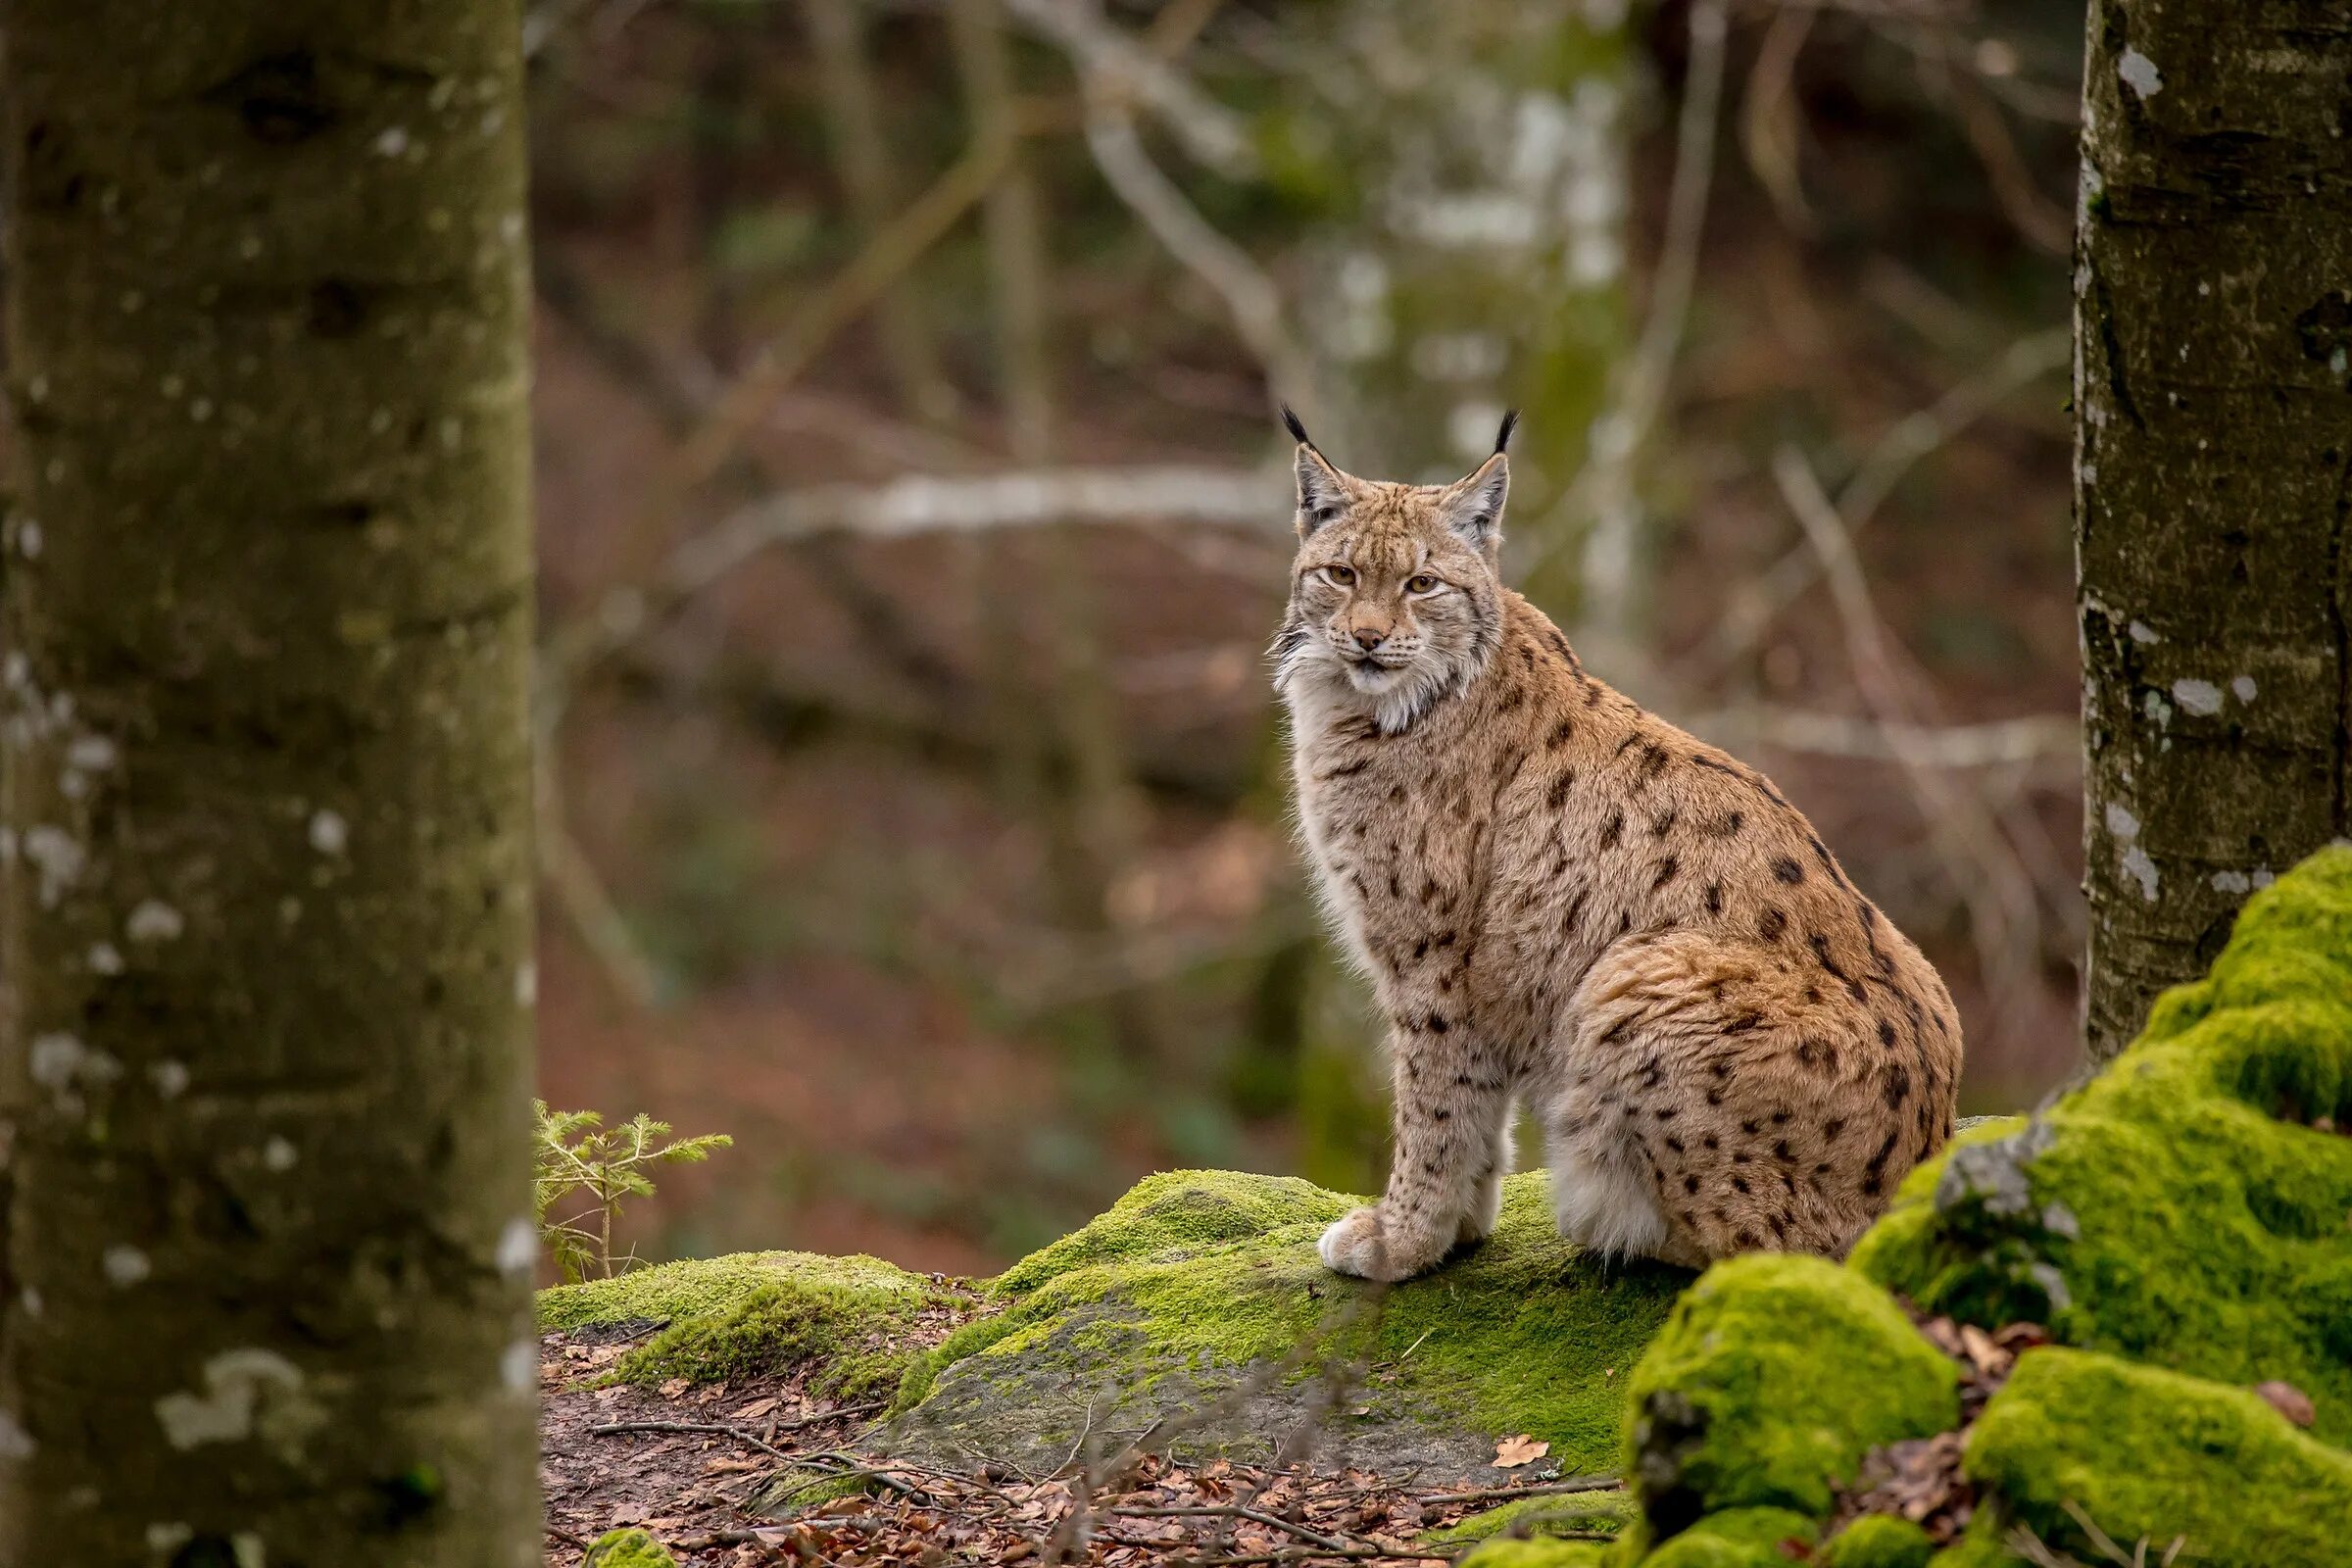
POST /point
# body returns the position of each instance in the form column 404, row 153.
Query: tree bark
column 2214, row 474
column 264, row 1240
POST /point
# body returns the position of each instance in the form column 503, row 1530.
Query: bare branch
column 1912, row 438
column 1123, row 71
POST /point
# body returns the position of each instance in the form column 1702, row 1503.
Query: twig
column 2002, row 742
column 1911, row 439
column 1998, row 891
column 1256, row 1516
column 706, row 1428
column 1247, row 294
column 1210, row 132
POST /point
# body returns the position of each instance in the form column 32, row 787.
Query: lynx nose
column 1368, row 638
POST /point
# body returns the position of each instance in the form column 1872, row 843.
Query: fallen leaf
column 673, row 1388
column 757, row 1408
column 2288, row 1400
column 1512, row 1453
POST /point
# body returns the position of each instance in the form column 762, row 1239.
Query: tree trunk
column 2214, row 475
column 265, row 1233
column 869, row 180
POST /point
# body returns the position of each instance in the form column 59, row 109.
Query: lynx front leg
column 1444, row 1180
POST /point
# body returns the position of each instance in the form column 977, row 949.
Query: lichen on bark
column 2213, row 406
column 265, row 1234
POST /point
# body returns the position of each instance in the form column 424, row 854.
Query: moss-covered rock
column 627, row 1548
column 1197, row 1302
column 1773, row 1376
column 1879, row 1541
column 844, row 1320
column 1581, row 1512
column 1538, row 1552
column 1739, row 1538
column 2153, row 1455
column 2188, row 1207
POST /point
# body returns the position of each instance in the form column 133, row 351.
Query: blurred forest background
column 913, row 520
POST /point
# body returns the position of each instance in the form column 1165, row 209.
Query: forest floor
column 688, row 1464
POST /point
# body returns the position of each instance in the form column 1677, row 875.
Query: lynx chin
column 1565, row 900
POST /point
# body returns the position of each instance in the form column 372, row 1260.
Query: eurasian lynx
column 1560, row 897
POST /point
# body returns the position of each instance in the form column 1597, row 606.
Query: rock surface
column 1196, row 1304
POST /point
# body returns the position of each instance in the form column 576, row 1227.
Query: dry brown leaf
column 1512, row 1453
column 675, row 1387
column 2288, row 1400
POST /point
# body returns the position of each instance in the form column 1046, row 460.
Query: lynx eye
column 1341, row 576
column 1420, row 583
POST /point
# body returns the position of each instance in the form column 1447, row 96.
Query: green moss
column 700, row 1285
column 627, row 1548
column 1739, row 1538
column 1173, row 1215
column 2151, row 1455
column 1197, row 1277
column 846, row 1318
column 1535, row 1516
column 1879, row 1541
column 2178, row 1210
column 1771, row 1380
column 1538, row 1552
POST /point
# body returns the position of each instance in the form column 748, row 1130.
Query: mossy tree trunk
column 265, row 1232
column 2214, row 474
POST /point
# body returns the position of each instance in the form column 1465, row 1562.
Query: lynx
column 1563, row 899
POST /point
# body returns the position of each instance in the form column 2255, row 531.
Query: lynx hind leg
column 1698, row 1077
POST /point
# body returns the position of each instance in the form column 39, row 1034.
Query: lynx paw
column 1354, row 1245
column 1371, row 1246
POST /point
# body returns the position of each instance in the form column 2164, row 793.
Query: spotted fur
column 1566, row 901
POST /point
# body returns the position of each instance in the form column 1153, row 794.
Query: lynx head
column 1395, row 593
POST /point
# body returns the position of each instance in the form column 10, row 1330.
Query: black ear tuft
column 1297, row 430
column 1503, row 438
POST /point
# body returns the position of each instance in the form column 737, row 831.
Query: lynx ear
column 1473, row 507
column 1323, row 490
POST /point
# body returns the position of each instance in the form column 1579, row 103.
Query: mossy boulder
column 2154, row 1456
column 1197, row 1306
column 1773, row 1376
column 1537, row 1552
column 1879, row 1541
column 627, row 1548
column 845, row 1322
column 2181, row 1225
column 2188, row 1207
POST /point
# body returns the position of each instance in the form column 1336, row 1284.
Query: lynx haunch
column 1565, row 900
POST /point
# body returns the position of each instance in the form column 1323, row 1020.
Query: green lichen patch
column 1879, row 1541
column 851, row 1324
column 1773, row 1378
column 2149, row 1454
column 1199, row 1302
column 1538, row 1516
column 2188, row 1207
column 627, row 1548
